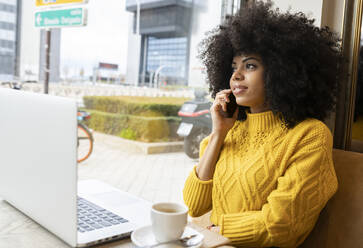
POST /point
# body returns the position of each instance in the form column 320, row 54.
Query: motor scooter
column 196, row 122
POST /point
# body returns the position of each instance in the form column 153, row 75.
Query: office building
column 163, row 45
column 9, row 39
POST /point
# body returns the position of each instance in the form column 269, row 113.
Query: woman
column 267, row 172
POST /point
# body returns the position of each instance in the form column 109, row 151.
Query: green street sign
column 61, row 18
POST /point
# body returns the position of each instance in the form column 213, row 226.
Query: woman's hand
column 221, row 123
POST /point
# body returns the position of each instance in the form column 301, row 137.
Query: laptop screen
column 38, row 168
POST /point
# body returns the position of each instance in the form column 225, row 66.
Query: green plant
column 151, row 128
column 128, row 134
column 166, row 106
column 148, row 119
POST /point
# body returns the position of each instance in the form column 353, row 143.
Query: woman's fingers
column 219, row 103
column 222, row 98
column 216, row 105
column 224, row 91
column 223, row 94
column 224, row 105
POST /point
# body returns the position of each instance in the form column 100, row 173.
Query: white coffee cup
column 168, row 220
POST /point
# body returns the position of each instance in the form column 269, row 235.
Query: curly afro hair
column 301, row 61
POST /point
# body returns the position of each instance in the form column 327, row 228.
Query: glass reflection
column 357, row 128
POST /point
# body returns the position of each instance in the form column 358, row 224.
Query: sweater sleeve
column 292, row 208
column 197, row 194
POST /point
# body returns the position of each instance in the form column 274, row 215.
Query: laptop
column 38, row 173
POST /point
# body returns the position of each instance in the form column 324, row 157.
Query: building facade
column 163, row 45
column 10, row 20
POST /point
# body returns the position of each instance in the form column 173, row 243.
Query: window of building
column 167, row 55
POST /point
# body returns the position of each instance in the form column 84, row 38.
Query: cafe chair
column 340, row 224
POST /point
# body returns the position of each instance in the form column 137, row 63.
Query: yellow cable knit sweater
column 270, row 182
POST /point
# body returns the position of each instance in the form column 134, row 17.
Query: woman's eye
column 234, row 69
column 250, row 66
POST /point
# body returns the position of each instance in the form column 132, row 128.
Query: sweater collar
column 262, row 121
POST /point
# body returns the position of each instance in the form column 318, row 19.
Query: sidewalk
column 154, row 177
column 130, row 146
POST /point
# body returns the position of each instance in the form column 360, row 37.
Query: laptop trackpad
column 129, row 207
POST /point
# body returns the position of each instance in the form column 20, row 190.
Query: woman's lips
column 239, row 90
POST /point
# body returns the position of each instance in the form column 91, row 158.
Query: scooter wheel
column 192, row 142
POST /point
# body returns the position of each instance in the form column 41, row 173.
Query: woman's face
column 247, row 82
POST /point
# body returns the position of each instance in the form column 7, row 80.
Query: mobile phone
column 231, row 105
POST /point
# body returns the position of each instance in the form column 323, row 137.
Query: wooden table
column 19, row 231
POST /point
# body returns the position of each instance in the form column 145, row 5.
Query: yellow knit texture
column 270, row 182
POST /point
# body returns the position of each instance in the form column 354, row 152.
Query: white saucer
column 144, row 236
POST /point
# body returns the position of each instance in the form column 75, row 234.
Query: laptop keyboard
column 92, row 217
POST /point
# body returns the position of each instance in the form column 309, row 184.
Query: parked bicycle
column 84, row 138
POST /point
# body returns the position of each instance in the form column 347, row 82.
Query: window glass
column 8, row 37
column 357, row 127
column 132, row 67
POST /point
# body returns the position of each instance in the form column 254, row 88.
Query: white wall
column 205, row 18
column 325, row 12
column 29, row 39
column 333, row 14
column 133, row 54
column 312, row 8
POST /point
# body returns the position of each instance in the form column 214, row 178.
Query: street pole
column 47, row 61
column 138, row 31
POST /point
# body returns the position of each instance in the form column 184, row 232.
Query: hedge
column 133, row 105
column 147, row 129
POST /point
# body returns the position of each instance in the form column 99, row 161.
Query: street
column 155, row 177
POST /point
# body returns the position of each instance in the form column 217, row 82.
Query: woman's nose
column 237, row 75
